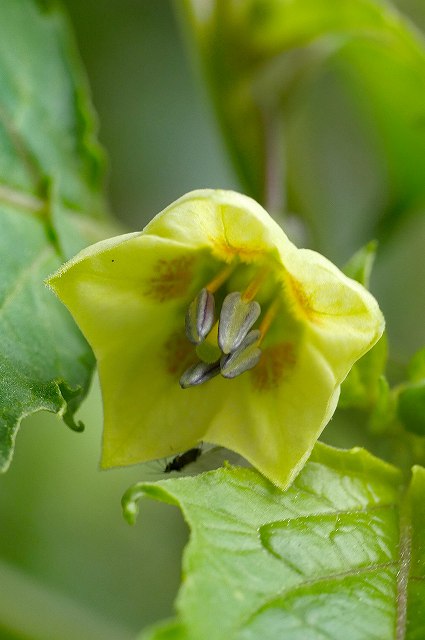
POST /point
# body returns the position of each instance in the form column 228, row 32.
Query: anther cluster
column 237, row 342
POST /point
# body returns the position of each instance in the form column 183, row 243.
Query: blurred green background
column 67, row 556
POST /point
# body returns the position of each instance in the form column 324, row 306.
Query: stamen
column 236, row 319
column 221, row 277
column 255, row 284
column 228, row 346
column 199, row 373
column 244, row 358
column 200, row 317
column 268, row 318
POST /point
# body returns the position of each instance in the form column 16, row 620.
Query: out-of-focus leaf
column 411, row 407
column 51, row 202
column 411, row 396
column 360, row 265
column 384, row 409
column 361, row 387
column 416, row 367
column 262, row 58
column 338, row 555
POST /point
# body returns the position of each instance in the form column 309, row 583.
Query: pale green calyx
column 212, row 296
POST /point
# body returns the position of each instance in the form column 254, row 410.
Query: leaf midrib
column 403, row 562
column 21, row 199
column 405, row 553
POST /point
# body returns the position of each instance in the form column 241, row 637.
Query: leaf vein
column 26, row 201
column 23, row 277
column 403, row 573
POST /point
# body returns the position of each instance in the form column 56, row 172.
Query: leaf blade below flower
column 339, row 554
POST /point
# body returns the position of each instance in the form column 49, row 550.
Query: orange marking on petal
column 227, row 252
column 171, row 280
column 275, row 364
column 302, row 300
column 179, row 354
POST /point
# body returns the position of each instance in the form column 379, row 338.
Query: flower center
column 228, row 346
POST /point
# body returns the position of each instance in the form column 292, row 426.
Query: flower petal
column 114, row 286
column 342, row 318
column 129, row 295
column 226, row 222
column 275, row 423
column 134, row 320
column 146, row 413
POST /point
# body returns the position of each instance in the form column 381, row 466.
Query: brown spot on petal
column 275, row 364
column 179, row 354
column 171, row 279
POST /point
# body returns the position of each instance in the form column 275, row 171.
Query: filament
column 268, row 318
column 255, row 284
column 221, row 277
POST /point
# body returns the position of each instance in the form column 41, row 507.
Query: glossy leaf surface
column 339, row 554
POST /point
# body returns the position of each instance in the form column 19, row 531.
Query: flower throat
column 228, row 346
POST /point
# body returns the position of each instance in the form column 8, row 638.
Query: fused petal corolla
column 130, row 296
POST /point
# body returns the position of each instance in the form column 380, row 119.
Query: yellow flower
column 210, row 325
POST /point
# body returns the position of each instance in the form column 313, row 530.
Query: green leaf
column 411, row 396
column 362, row 386
column 384, row 410
column 338, row 555
column 360, row 265
column 416, row 368
column 51, row 204
column 265, row 61
column 413, row 554
column 411, row 408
